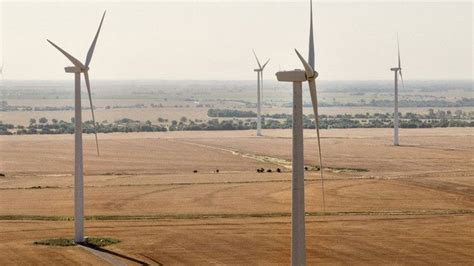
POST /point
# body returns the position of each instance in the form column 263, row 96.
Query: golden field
column 412, row 204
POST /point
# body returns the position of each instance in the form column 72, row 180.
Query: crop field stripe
column 169, row 184
column 196, row 183
column 230, row 215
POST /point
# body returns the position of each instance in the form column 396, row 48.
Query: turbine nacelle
column 296, row 75
column 73, row 69
column 395, row 69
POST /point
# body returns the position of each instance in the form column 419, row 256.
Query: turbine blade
column 91, row 49
column 258, row 62
column 311, row 38
column 314, row 101
column 86, row 77
column 308, row 69
column 399, row 61
column 71, row 58
column 401, row 77
column 261, row 82
column 263, row 67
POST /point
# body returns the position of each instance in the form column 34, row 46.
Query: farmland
column 384, row 204
column 172, row 100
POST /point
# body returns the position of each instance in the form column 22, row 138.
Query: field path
column 103, row 255
column 260, row 158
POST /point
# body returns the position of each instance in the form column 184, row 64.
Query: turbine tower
column 77, row 69
column 298, row 252
column 396, row 70
column 259, row 71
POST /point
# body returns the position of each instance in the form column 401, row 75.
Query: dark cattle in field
column 195, row 171
column 278, row 170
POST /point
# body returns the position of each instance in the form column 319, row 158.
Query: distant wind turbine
column 298, row 253
column 77, row 69
column 396, row 70
column 259, row 71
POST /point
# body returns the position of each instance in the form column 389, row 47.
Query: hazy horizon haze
column 214, row 40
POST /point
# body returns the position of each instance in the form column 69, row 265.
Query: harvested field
column 412, row 204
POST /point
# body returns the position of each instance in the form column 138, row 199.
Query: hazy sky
column 213, row 40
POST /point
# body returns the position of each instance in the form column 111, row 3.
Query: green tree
column 431, row 113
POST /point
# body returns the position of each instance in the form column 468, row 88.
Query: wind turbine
column 298, row 253
column 396, row 70
column 259, row 71
column 77, row 69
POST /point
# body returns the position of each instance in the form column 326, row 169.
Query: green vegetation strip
column 91, row 241
column 196, row 216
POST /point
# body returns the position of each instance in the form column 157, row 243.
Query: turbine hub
column 316, row 74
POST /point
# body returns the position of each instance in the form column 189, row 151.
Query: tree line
column 273, row 121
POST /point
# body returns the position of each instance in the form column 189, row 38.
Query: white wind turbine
column 298, row 253
column 77, row 69
column 259, row 71
column 396, row 70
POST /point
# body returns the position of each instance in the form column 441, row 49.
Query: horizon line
column 247, row 80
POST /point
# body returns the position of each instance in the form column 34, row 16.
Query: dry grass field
column 412, row 204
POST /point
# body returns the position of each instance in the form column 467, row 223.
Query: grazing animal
column 217, row 170
column 195, row 171
column 269, row 170
column 306, row 168
column 278, row 170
